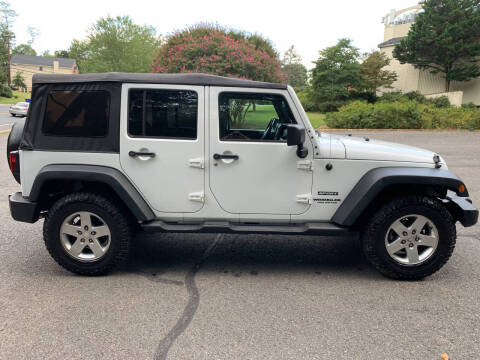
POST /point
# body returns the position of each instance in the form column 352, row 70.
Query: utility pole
column 9, row 80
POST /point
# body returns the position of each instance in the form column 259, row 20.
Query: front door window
column 253, row 117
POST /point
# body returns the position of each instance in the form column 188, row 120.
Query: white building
column 397, row 25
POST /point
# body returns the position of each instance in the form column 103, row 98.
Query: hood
column 357, row 148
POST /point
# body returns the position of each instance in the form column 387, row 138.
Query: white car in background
column 19, row 109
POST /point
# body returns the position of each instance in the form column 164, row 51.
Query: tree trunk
column 447, row 85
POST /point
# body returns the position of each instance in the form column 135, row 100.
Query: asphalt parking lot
column 242, row 297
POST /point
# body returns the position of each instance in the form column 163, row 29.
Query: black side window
column 163, row 113
column 77, row 113
column 253, row 117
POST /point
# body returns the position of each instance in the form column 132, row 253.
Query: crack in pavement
column 155, row 278
column 166, row 343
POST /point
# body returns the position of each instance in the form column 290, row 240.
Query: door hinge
column 305, row 165
column 197, row 196
column 197, row 163
column 305, row 199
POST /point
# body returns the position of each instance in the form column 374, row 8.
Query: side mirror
column 296, row 136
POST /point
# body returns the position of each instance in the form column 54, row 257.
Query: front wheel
column 410, row 237
column 87, row 233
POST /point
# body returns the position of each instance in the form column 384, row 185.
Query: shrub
column 450, row 118
column 392, row 96
column 416, row 96
column 5, row 91
column 353, row 116
column 403, row 115
column 470, row 105
column 440, row 102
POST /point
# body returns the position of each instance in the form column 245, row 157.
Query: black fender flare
column 376, row 180
column 111, row 177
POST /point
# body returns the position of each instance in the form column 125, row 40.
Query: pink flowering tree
column 213, row 50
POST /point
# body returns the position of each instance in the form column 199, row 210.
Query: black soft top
column 180, row 79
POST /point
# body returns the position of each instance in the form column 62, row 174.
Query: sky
column 309, row 25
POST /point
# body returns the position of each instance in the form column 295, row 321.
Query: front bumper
column 463, row 209
column 22, row 209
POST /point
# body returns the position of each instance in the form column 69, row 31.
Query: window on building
column 77, row 113
column 253, row 117
column 163, row 113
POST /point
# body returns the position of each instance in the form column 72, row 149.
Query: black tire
column 118, row 223
column 13, row 115
column 373, row 237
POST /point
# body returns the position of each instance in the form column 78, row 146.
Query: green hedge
column 5, row 91
column 403, row 115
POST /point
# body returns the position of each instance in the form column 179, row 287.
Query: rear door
column 162, row 144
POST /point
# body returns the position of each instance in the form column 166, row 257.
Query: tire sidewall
column 441, row 252
column 53, row 240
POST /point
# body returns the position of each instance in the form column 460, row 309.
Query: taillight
column 14, row 161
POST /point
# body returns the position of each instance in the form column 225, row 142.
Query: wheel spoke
column 399, row 228
column 96, row 248
column 101, row 231
column 419, row 224
column 395, row 246
column 85, row 219
column 77, row 247
column 427, row 240
column 412, row 255
column 71, row 230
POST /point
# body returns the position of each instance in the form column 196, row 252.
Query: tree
column 27, row 49
column 7, row 17
column 336, row 75
column 444, row 40
column 33, row 32
column 296, row 72
column 291, row 56
column 116, row 44
column 373, row 75
column 62, row 54
column 46, row 53
column 19, row 81
column 24, row 49
column 215, row 50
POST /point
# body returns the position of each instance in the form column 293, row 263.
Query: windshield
column 22, row 104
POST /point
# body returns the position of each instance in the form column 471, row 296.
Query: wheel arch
column 55, row 180
column 381, row 184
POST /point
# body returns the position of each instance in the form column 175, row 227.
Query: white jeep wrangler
column 101, row 156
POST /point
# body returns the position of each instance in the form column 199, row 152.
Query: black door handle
column 135, row 154
column 225, row 156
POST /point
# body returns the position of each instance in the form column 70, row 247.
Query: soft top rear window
column 77, row 113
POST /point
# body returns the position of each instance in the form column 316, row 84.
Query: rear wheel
column 87, row 234
column 410, row 237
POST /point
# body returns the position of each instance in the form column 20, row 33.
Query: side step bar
column 248, row 228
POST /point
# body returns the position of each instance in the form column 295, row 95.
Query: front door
column 252, row 170
column 162, row 144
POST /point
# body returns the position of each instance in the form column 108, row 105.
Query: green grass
column 316, row 119
column 259, row 119
column 18, row 96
